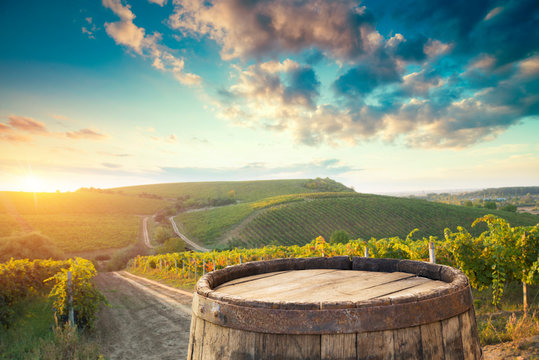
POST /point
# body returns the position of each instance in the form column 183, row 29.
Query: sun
column 32, row 184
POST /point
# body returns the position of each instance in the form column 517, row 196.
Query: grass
column 34, row 321
column 167, row 278
column 34, row 335
column 74, row 233
column 506, row 323
column 207, row 226
column 79, row 202
column 78, row 221
column 245, row 191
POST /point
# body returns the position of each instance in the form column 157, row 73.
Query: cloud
column 111, row 166
column 126, row 33
column 259, row 170
column 270, row 87
column 85, row 134
column 343, row 29
column 4, row 128
column 114, row 154
column 14, row 138
column 159, row 2
column 27, row 124
column 456, row 73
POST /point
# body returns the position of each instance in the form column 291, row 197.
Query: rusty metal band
column 333, row 321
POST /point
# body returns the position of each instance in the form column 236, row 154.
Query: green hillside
column 244, row 191
column 75, row 221
column 300, row 218
column 78, row 202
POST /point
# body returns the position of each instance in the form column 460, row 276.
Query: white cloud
column 159, row 2
column 125, row 32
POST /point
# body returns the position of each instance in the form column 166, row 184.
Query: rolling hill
column 244, row 191
column 297, row 219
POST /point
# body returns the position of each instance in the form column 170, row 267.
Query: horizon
column 386, row 98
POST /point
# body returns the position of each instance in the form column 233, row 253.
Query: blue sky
column 384, row 96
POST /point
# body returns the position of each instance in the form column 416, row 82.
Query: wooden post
column 214, row 264
column 240, row 258
column 366, row 251
column 195, row 270
column 160, row 264
column 227, row 262
column 175, row 265
column 432, row 254
column 70, row 300
column 203, row 267
column 189, row 271
column 525, row 297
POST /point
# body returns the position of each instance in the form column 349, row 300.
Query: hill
column 243, row 191
column 504, row 192
column 297, row 219
column 75, row 221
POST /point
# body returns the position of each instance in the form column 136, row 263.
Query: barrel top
column 328, row 285
column 330, row 295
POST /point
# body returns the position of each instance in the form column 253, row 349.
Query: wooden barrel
column 334, row 308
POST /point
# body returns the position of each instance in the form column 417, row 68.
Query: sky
column 384, row 96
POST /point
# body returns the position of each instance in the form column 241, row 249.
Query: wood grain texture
column 470, row 343
column 451, row 334
column 215, row 342
column 191, row 338
column 286, row 347
column 407, row 343
column 339, row 346
column 431, row 341
column 241, row 344
column 318, row 285
column 198, row 340
column 376, row 345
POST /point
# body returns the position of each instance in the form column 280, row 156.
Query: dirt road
column 145, row 233
column 189, row 242
column 143, row 321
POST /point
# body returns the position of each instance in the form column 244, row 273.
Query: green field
column 76, row 221
column 297, row 219
column 245, row 191
column 78, row 202
column 79, row 233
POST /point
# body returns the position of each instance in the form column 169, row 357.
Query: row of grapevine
column 500, row 254
column 22, row 278
column 298, row 222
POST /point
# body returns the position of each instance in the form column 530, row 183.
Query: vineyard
column 500, row 254
column 295, row 219
column 22, row 278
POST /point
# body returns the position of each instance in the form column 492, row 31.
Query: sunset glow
column 383, row 96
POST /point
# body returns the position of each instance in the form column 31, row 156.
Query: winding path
column 190, row 243
column 145, row 233
column 144, row 319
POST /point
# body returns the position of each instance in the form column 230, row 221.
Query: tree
column 490, row 205
column 339, row 236
column 509, row 207
column 171, row 245
column 162, row 234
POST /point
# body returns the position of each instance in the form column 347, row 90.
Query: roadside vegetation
column 35, row 306
column 500, row 262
